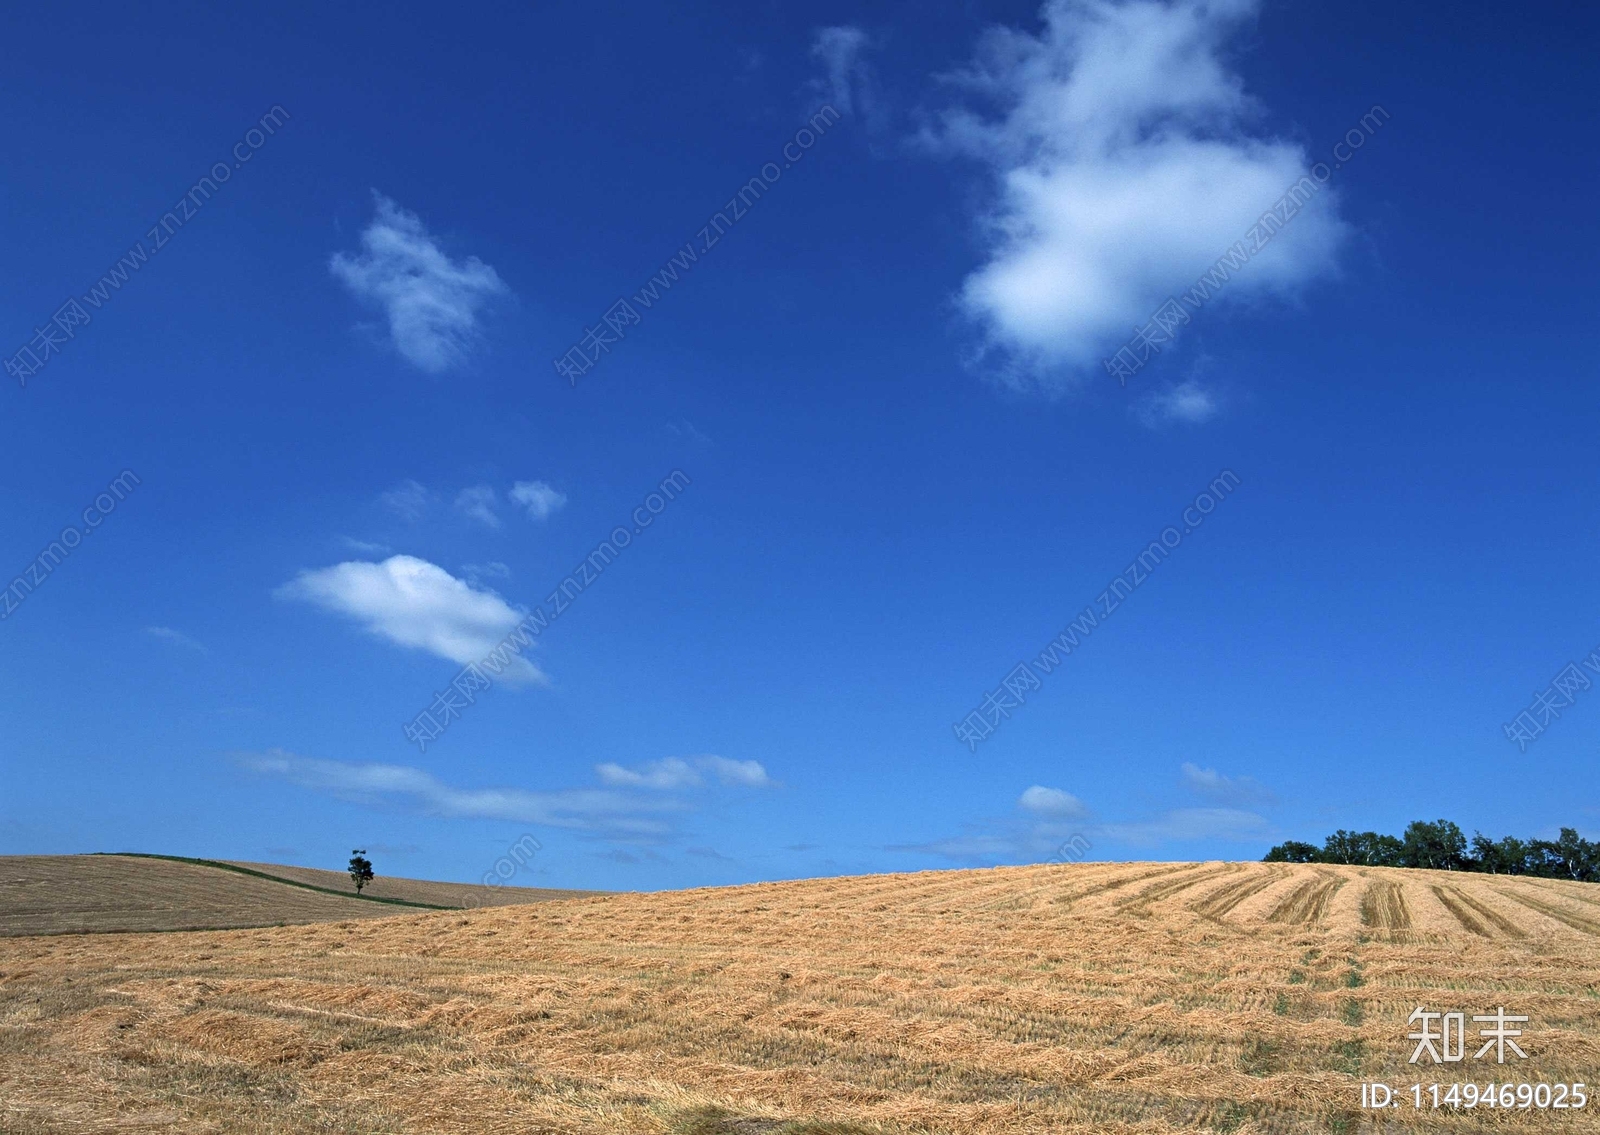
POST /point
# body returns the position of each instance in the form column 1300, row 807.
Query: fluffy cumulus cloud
column 641, row 808
column 539, row 499
column 1119, row 141
column 432, row 302
column 413, row 603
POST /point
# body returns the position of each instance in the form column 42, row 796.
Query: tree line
column 1441, row 846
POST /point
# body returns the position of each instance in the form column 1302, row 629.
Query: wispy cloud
column 708, row 853
column 589, row 809
column 177, row 637
column 540, row 499
column 431, row 301
column 1048, row 817
column 1185, row 824
column 1045, row 818
column 846, row 82
column 1188, row 403
column 478, row 503
column 675, row 772
column 408, row 500
column 684, row 428
column 477, row 573
column 1118, row 141
column 416, row 604
column 640, row 809
column 1212, row 785
column 365, row 547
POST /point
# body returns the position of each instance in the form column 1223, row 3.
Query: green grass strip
column 219, row 865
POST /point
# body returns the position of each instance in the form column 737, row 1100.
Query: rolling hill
column 1143, row 998
column 75, row 894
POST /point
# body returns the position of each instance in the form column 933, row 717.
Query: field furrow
column 1219, row 902
column 1383, row 906
column 1528, row 898
column 1308, row 903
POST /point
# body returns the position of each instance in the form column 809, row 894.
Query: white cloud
column 1210, row 783
column 407, row 500
column 365, row 547
column 748, row 773
column 1050, row 818
column 477, row 503
column 633, row 805
column 416, row 604
column 1056, row 825
column 538, row 498
column 494, row 569
column 846, row 82
column 614, row 813
column 675, row 772
column 431, row 301
column 1124, row 170
column 1186, row 402
column 176, row 637
column 1051, row 802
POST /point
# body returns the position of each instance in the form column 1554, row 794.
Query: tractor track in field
column 1383, row 907
column 1308, row 903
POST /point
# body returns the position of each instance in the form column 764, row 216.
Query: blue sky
column 905, row 467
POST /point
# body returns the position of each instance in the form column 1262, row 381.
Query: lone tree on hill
column 360, row 868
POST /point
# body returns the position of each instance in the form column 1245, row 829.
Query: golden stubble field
column 1133, row 997
column 63, row 894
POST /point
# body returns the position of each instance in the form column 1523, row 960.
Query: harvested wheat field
column 79, row 894
column 1134, row 997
